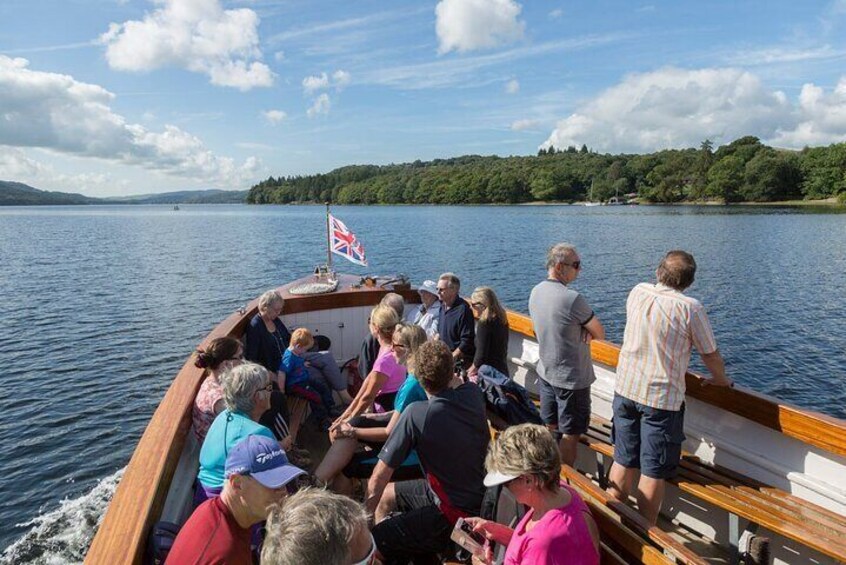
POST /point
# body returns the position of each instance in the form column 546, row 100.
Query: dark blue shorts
column 646, row 438
column 567, row 410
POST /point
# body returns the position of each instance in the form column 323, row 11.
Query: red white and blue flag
column 344, row 242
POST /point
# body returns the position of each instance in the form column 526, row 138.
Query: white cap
column 492, row 479
column 429, row 286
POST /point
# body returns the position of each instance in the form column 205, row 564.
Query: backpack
column 508, row 403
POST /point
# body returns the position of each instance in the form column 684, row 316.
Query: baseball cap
column 428, row 286
column 493, row 479
column 262, row 459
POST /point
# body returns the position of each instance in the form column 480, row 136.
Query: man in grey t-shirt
column 564, row 326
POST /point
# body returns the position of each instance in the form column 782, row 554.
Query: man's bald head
column 677, row 269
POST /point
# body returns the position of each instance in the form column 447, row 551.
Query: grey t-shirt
column 558, row 315
column 450, row 433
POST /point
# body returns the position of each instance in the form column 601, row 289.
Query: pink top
column 387, row 365
column 203, row 412
column 560, row 537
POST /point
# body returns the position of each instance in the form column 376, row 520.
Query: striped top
column 661, row 326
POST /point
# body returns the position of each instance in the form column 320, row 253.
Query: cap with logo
column 262, row 459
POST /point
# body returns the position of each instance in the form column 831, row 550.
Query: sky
column 119, row 97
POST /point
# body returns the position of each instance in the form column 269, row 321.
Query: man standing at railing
column 564, row 325
column 662, row 325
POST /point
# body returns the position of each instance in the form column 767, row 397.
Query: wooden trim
column 808, row 426
column 140, row 496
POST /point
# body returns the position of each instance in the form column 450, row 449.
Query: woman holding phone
column 558, row 527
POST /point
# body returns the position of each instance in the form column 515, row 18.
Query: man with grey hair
column 564, row 325
column 318, row 527
column 370, row 345
column 662, row 326
column 456, row 324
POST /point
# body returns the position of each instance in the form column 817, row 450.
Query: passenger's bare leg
column 621, row 481
column 569, row 448
column 340, row 453
column 386, row 505
column 297, row 410
column 650, row 495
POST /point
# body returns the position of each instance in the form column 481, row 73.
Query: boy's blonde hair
column 302, row 337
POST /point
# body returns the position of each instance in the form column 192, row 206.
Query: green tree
column 725, row 178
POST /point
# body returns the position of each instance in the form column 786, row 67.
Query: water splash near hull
column 63, row 535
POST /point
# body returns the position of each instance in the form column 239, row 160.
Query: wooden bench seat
column 742, row 497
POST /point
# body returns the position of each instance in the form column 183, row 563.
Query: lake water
column 100, row 306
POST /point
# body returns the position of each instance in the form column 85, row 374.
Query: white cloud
column 520, row 125
column 315, row 82
column 279, row 56
column 198, row 35
column 776, row 55
column 822, row 118
column 321, row 105
column 15, row 164
column 465, row 25
column 556, row 13
column 340, row 78
column 274, row 116
column 675, row 108
column 512, row 86
column 58, row 113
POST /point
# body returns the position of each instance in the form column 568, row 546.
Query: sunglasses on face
column 477, row 305
column 396, row 345
column 575, row 264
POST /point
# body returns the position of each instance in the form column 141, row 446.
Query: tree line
column 744, row 170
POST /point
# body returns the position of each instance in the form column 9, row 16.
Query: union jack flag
column 344, row 242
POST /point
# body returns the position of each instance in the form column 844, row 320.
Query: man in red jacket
column 257, row 472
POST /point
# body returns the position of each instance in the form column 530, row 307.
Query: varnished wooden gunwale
column 810, row 427
column 140, row 496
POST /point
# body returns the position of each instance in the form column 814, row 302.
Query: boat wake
column 63, row 535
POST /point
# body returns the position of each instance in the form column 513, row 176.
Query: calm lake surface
column 100, row 306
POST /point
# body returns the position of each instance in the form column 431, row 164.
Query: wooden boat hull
column 798, row 451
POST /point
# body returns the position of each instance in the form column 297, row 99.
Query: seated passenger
column 370, row 345
column 558, row 528
column 295, row 379
column 317, row 527
column 221, row 354
column 491, row 332
column 456, row 326
column 426, row 315
column 450, row 434
column 246, row 394
column 386, row 377
column 373, row 429
column 218, row 531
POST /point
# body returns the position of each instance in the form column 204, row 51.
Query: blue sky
column 113, row 97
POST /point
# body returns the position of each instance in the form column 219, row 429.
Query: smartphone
column 464, row 536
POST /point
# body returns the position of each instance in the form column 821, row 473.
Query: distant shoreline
column 831, row 202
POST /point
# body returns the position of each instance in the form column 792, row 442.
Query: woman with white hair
column 266, row 335
column 558, row 528
column 246, row 395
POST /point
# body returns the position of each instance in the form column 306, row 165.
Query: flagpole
column 328, row 240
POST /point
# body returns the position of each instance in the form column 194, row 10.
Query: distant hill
column 209, row 196
column 19, row 194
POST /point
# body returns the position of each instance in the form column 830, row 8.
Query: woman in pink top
column 384, row 380
column 221, row 354
column 558, row 528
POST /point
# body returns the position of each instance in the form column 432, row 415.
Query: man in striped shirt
column 662, row 325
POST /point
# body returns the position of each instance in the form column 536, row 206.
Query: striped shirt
column 661, row 326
